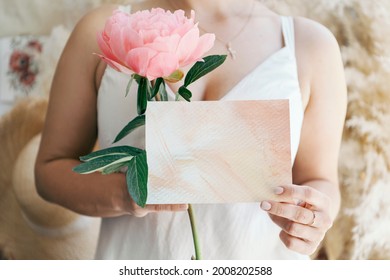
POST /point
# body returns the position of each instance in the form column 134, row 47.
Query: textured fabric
column 226, row 231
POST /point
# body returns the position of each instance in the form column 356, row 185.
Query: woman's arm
column 71, row 130
column 315, row 175
column 317, row 159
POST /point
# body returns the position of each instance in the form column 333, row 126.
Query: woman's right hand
column 138, row 211
column 127, row 205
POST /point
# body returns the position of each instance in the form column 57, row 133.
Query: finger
column 166, row 207
column 138, row 211
column 289, row 211
column 298, row 245
column 321, row 220
column 298, row 230
column 293, row 193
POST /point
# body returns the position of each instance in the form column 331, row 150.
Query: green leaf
column 133, row 124
column 115, row 167
column 163, row 92
column 129, row 85
column 118, row 150
column 185, row 93
column 156, row 87
column 149, row 90
column 201, row 68
column 137, row 179
column 137, row 78
column 142, row 97
column 100, row 163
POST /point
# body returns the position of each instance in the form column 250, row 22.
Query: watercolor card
column 217, row 151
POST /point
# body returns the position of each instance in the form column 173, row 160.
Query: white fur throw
column 362, row 28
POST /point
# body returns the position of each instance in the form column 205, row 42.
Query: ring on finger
column 313, row 220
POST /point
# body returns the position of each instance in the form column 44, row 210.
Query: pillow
column 19, row 66
column 27, row 65
column 37, row 17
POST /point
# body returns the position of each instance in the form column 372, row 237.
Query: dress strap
column 288, row 32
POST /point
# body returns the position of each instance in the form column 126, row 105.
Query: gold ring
column 314, row 219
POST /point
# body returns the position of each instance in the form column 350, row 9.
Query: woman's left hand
column 303, row 213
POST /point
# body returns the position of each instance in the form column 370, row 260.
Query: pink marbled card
column 217, row 151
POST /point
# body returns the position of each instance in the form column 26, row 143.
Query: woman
column 270, row 57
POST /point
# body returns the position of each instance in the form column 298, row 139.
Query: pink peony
column 152, row 43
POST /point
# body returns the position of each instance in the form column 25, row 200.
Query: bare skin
column 71, row 127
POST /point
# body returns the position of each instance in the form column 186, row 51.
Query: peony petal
column 120, row 18
column 117, row 44
column 152, row 43
column 131, row 38
column 148, row 36
column 187, row 45
column 117, row 19
column 104, row 47
column 162, row 65
column 165, row 44
column 116, row 66
column 183, row 28
column 138, row 60
column 205, row 43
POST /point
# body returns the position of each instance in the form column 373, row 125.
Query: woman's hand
column 138, row 211
column 126, row 205
column 303, row 213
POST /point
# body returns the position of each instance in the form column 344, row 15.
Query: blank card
column 217, row 151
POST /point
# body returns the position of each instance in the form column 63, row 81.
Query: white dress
column 226, row 231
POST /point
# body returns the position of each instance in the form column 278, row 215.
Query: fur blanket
column 363, row 230
column 362, row 28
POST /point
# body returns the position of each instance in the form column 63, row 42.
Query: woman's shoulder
column 313, row 35
column 96, row 18
column 316, row 51
column 84, row 33
column 316, row 47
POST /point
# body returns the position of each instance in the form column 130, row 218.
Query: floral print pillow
column 20, row 67
column 23, row 66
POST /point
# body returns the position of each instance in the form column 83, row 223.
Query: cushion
column 38, row 17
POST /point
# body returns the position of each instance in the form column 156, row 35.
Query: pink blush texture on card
column 217, row 151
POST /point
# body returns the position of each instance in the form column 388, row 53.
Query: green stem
column 194, row 232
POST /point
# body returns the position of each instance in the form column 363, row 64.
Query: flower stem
column 194, row 232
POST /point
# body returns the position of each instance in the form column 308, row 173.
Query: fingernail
column 265, row 205
column 278, row 190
